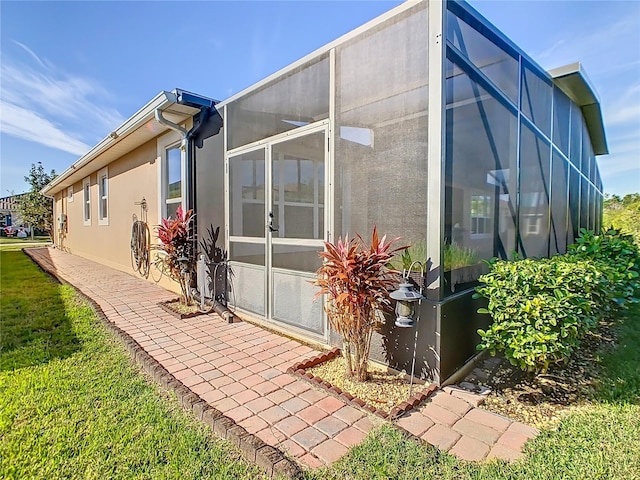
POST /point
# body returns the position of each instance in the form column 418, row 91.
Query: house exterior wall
column 131, row 178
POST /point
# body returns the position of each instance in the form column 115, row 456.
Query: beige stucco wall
column 132, row 177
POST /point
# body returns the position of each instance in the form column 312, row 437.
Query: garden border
column 300, row 370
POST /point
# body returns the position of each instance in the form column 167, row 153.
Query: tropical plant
column 417, row 252
column 218, row 269
column 176, row 242
column 356, row 280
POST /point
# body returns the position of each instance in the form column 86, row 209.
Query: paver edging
column 253, row 449
column 299, row 370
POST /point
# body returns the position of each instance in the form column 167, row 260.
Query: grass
column 36, row 239
column 73, row 406
column 598, row 441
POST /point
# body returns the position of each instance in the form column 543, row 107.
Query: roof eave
column 163, row 101
column 574, row 82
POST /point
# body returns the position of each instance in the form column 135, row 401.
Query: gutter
column 160, row 100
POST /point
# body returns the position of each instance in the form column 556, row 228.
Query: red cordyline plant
column 175, row 241
column 356, row 280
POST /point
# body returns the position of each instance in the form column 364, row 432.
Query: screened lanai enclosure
column 427, row 122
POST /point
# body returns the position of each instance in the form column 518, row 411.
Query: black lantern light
column 406, row 299
column 183, row 260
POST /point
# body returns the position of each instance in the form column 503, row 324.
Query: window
column 70, row 194
column 86, row 198
column 103, row 197
column 173, row 180
column 171, row 174
column 481, row 214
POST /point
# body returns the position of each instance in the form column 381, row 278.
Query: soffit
column 133, row 133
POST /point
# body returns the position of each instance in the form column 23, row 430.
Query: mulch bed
column 386, row 394
column 180, row 310
column 541, row 400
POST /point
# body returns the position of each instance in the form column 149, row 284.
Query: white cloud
column 30, row 52
column 28, row 125
column 40, row 103
column 625, row 108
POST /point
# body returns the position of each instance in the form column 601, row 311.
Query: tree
column 35, row 208
column 623, row 213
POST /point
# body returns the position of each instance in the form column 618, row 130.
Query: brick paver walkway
column 241, row 370
column 238, row 368
column 451, row 421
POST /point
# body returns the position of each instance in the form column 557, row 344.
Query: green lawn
column 36, row 239
column 72, row 404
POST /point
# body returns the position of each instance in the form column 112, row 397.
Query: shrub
column 175, row 241
column 618, row 258
column 356, row 280
column 540, row 308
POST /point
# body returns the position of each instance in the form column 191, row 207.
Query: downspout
column 53, row 221
column 173, row 126
column 188, row 147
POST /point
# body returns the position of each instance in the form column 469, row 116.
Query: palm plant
column 356, row 280
column 175, row 241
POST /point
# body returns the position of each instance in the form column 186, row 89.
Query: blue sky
column 71, row 72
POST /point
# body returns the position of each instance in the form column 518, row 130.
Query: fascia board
column 574, row 82
column 163, row 100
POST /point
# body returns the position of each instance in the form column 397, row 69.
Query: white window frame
column 166, row 142
column 482, row 229
column 70, row 193
column 103, row 217
column 86, row 201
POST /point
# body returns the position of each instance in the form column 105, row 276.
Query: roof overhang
column 177, row 106
column 573, row 81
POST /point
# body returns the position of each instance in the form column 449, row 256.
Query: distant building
column 10, row 218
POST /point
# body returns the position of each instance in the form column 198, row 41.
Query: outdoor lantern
column 184, row 264
column 406, row 298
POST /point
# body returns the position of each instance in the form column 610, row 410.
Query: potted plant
column 176, row 242
column 355, row 277
column 463, row 264
column 412, row 261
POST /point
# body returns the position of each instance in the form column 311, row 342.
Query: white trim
column 70, row 194
column 103, row 217
column 297, row 242
column 162, row 100
column 86, row 201
column 280, row 137
column 240, row 239
column 435, row 138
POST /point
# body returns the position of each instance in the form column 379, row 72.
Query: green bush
column 540, row 308
column 618, row 258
